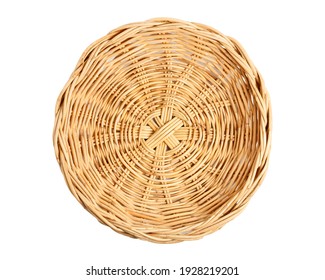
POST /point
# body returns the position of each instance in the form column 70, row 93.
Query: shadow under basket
column 163, row 130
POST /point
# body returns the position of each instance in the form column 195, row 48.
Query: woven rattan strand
column 163, row 130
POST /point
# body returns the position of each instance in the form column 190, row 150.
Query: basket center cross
column 164, row 132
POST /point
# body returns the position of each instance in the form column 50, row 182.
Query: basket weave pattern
column 163, row 130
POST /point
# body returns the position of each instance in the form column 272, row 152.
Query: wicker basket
column 163, row 130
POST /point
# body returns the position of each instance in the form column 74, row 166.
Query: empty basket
column 163, row 130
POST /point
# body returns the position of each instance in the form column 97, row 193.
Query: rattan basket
column 163, row 130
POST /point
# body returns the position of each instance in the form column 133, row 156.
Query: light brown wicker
column 163, row 130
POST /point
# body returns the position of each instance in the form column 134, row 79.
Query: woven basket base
column 163, row 130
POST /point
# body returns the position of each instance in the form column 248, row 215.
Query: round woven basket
column 163, row 130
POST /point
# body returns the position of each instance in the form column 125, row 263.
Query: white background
column 46, row 234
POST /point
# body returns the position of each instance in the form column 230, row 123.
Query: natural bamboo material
column 163, row 130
